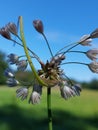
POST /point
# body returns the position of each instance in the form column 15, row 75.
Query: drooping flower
column 85, row 40
column 34, row 98
column 8, row 73
column 77, row 89
column 92, row 54
column 22, row 92
column 37, row 88
column 13, row 58
column 67, row 92
column 12, row 28
column 22, row 65
column 5, row 33
column 94, row 34
column 93, row 66
column 12, row 82
column 38, row 25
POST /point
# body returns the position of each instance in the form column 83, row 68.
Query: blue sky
column 65, row 21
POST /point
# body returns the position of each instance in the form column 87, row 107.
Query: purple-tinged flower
column 38, row 25
column 12, row 28
column 22, row 65
column 85, row 40
column 94, row 34
column 37, row 88
column 5, row 33
column 77, row 89
column 92, row 54
column 34, row 98
column 57, row 59
column 22, row 92
column 8, row 73
column 12, row 82
column 67, row 92
column 13, row 58
column 93, row 66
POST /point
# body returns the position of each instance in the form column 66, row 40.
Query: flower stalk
column 27, row 53
column 49, row 108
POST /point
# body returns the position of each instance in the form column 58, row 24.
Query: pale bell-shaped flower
column 12, row 58
column 34, row 98
column 94, row 34
column 22, row 65
column 8, row 73
column 38, row 25
column 22, row 92
column 92, row 54
column 77, row 89
column 12, row 82
column 93, row 66
column 67, row 92
column 12, row 28
column 85, row 40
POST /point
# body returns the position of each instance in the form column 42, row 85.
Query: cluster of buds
column 50, row 73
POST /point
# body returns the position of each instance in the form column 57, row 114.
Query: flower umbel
column 50, row 73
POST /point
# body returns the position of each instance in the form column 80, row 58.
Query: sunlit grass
column 66, row 113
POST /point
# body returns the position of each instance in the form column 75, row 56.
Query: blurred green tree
column 3, row 66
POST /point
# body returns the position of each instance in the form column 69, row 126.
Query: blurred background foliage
column 27, row 76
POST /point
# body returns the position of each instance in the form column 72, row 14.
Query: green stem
column 47, row 44
column 74, row 63
column 77, row 52
column 27, row 54
column 65, row 47
column 49, row 108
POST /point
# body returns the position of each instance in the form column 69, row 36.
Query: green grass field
column 77, row 113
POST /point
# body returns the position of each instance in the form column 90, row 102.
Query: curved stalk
column 37, row 58
column 74, row 63
column 47, row 44
column 27, row 54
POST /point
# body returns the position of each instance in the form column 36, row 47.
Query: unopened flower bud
column 5, row 33
column 38, row 25
column 12, row 28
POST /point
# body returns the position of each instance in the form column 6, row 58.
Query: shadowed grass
column 79, row 113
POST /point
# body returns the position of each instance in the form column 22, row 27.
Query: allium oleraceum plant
column 51, row 74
